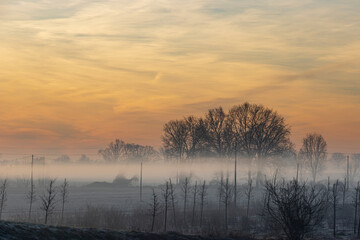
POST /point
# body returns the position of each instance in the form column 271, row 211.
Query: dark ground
column 24, row 231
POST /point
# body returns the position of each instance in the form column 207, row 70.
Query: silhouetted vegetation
column 121, row 151
column 257, row 131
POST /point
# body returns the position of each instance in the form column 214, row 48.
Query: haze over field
column 76, row 74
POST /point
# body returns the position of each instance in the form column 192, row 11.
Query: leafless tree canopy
column 121, row 151
column 174, row 138
column 313, row 151
column 259, row 131
column 254, row 129
column 296, row 207
column 220, row 137
column 196, row 137
column 184, row 138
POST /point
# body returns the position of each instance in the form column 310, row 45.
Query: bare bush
column 296, row 207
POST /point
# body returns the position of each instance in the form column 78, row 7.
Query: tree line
column 249, row 129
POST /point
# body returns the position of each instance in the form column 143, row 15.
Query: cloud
column 77, row 69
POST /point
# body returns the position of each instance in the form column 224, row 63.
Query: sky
column 76, row 74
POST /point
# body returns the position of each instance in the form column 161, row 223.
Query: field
column 109, row 196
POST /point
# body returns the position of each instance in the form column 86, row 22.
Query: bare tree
column 219, row 131
column 227, row 191
column 220, row 189
column 172, row 197
column 314, row 152
column 31, row 194
column 297, row 208
column 174, row 138
column 248, row 194
column 48, row 200
column 335, row 194
column 113, row 151
column 31, row 197
column 195, row 192
column 260, row 133
column 202, row 200
column 166, row 195
column 185, row 190
column 155, row 208
column 120, row 150
column 3, row 196
column 64, row 192
column 196, row 137
column 356, row 204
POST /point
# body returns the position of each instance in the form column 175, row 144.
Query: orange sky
column 76, row 74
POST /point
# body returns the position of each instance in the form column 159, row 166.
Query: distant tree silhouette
column 84, row 159
column 220, row 135
column 184, row 139
column 196, row 137
column 338, row 158
column 314, row 151
column 174, row 138
column 121, row 151
column 260, row 131
column 114, row 151
column 63, row 159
